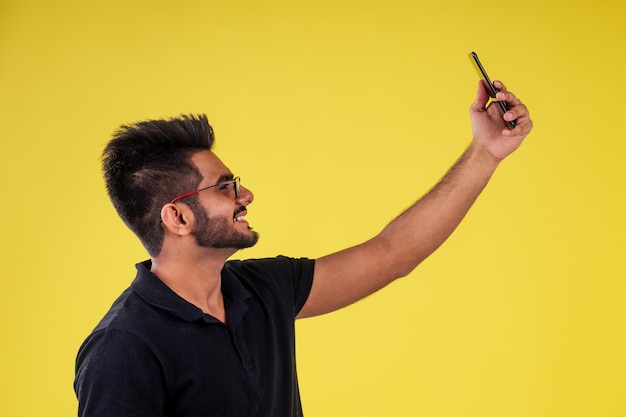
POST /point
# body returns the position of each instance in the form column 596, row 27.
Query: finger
column 504, row 94
column 499, row 85
column 516, row 112
column 523, row 125
column 508, row 97
column 516, row 109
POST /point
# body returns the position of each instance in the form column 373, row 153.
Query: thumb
column 482, row 97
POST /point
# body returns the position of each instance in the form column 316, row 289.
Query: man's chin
column 254, row 238
column 243, row 241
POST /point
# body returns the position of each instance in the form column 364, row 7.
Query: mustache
column 239, row 210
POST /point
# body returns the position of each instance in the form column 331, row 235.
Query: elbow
column 404, row 270
column 398, row 261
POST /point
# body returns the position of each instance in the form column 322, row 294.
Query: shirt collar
column 153, row 291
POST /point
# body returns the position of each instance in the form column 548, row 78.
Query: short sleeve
column 291, row 278
column 302, row 270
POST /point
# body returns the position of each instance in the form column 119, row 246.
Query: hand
column 490, row 128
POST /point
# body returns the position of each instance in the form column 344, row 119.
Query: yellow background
column 337, row 114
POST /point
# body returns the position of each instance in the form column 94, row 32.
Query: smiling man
column 197, row 334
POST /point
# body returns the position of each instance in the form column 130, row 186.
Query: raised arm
column 351, row 274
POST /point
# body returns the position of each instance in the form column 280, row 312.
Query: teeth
column 240, row 218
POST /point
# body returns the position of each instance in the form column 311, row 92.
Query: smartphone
column 481, row 71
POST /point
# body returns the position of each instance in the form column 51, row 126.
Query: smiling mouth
column 240, row 215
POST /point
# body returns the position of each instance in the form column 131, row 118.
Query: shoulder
column 278, row 267
column 131, row 323
column 127, row 314
column 282, row 279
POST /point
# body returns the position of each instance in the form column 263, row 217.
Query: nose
column 245, row 196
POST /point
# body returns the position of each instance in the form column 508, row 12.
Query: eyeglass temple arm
column 184, row 195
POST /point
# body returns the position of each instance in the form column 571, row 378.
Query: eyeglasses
column 236, row 185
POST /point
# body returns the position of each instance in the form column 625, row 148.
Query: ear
column 178, row 219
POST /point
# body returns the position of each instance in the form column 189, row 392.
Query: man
column 197, row 335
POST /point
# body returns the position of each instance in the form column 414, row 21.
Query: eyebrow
column 225, row 177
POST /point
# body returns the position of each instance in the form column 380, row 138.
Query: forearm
column 346, row 276
column 421, row 229
column 351, row 274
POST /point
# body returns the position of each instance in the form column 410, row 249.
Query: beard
column 218, row 232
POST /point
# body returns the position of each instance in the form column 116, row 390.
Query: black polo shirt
column 155, row 354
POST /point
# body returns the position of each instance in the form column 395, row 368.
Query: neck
column 197, row 280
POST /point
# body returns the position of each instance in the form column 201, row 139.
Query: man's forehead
column 210, row 166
